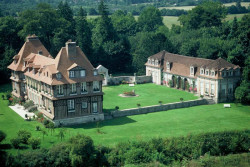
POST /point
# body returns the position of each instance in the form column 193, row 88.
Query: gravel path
column 21, row 111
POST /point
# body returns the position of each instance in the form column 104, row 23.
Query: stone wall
column 156, row 108
column 129, row 79
column 79, row 120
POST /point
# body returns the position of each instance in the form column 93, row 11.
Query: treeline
column 81, row 151
column 15, row 7
column 123, row 44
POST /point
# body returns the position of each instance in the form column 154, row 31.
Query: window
column 191, row 70
column 95, row 73
column 168, row 66
column 224, row 74
column 71, row 105
column 230, row 73
column 207, row 88
column 71, row 74
column 95, row 107
column 73, row 88
column 82, row 73
column 153, row 62
column 96, row 86
column 202, row 71
column 230, row 88
column 212, row 73
column 84, row 104
column 212, row 89
column 156, row 62
column 149, row 62
column 83, row 87
column 59, row 89
column 207, row 72
column 58, row 76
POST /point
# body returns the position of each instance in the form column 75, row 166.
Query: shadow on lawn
column 112, row 122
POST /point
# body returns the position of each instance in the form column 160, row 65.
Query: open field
column 246, row 4
column 178, row 122
column 149, row 94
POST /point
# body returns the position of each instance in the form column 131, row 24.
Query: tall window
column 212, row 88
column 95, row 73
column 71, row 74
column 58, row 76
column 95, row 107
column 73, row 88
column 71, row 105
column 212, row 73
column 59, row 89
column 82, row 73
column 84, row 104
column 207, row 72
column 168, row 66
column 96, row 86
column 207, row 88
column 230, row 88
column 83, row 87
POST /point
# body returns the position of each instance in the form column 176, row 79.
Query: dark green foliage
column 2, row 136
column 16, row 142
column 28, row 104
column 24, row 136
column 82, row 151
column 34, row 142
column 59, row 155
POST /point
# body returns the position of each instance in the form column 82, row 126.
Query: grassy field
column 178, row 122
column 246, row 4
column 149, row 94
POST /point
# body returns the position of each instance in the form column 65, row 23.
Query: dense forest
column 122, row 44
column 14, row 7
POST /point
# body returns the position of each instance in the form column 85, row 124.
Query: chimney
column 31, row 38
column 71, row 49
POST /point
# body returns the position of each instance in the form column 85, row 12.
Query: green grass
column 149, row 94
column 178, row 122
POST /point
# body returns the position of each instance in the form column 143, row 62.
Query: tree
column 61, row 133
column 150, row 19
column 83, row 33
column 34, row 142
column 82, row 151
column 233, row 31
column 58, row 155
column 208, row 14
column 24, row 136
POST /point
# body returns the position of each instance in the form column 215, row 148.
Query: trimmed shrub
column 28, row 104
column 15, row 142
column 24, row 135
column 34, row 142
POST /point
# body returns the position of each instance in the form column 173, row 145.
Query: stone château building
column 216, row 79
column 67, row 89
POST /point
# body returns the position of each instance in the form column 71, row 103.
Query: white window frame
column 207, row 72
column 82, row 73
column 191, row 70
column 212, row 89
column 156, row 62
column 71, row 105
column 59, row 89
column 73, row 89
column 206, row 87
column 84, row 105
column 168, row 65
column 96, row 86
column 212, row 73
column 84, row 87
column 72, row 74
column 202, row 71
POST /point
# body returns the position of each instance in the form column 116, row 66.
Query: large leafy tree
column 207, row 14
column 150, row 19
column 83, row 33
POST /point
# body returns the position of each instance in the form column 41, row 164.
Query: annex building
column 216, row 79
column 67, row 89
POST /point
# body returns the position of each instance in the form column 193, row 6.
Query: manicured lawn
column 178, row 122
column 149, row 94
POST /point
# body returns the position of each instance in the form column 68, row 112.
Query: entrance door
column 202, row 88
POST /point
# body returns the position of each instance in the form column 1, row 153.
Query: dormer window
column 153, row 62
column 207, row 72
column 202, row 71
column 168, row 65
column 231, row 73
column 212, row 73
column 156, row 62
column 58, row 76
column 224, row 74
column 71, row 74
column 95, row 73
column 149, row 62
column 82, row 73
column 191, row 70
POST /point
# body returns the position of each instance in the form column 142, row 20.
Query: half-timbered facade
column 67, row 89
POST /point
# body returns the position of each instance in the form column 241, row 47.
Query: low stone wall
column 79, row 120
column 129, row 79
column 156, row 108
